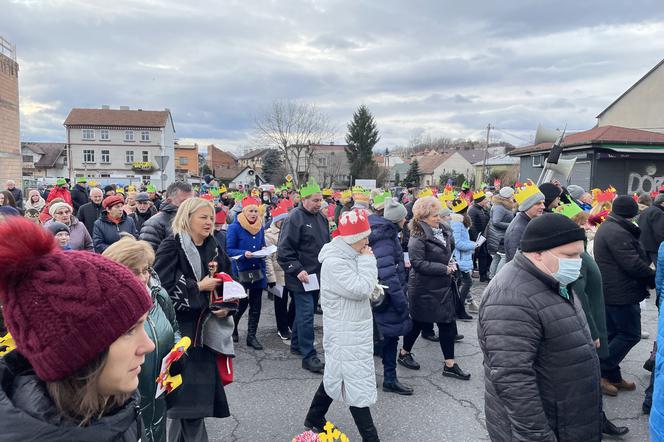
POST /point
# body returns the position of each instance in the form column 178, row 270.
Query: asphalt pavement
column 271, row 392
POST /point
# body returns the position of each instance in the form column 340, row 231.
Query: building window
column 105, row 175
column 184, row 161
column 129, row 135
column 129, row 156
column 106, row 156
column 145, row 135
column 28, row 159
column 537, row 160
column 104, row 135
column 88, row 156
column 88, row 134
column 322, row 161
column 146, row 156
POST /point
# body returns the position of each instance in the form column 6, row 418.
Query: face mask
column 569, row 270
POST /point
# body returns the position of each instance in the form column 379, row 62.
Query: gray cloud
column 438, row 68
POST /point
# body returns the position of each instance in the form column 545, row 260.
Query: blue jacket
column 657, row 410
column 395, row 320
column 238, row 241
column 463, row 246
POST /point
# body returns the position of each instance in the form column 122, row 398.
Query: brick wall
column 186, row 159
column 10, row 144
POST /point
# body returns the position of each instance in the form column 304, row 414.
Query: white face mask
column 569, row 269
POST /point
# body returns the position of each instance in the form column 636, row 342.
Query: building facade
column 10, row 142
column 186, row 161
column 43, row 163
column 224, row 165
column 121, row 146
column 253, row 159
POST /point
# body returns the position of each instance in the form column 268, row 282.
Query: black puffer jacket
column 106, row 232
column 429, row 286
column 479, row 218
column 79, row 196
column 541, row 371
column 28, row 414
column 158, row 227
column 651, row 223
column 626, row 274
column 514, row 233
column 500, row 216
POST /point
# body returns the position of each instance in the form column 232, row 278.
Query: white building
column 43, row 163
column 121, row 146
column 246, row 179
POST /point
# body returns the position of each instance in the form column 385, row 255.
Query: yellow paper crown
column 479, row 194
column 346, row 193
column 425, row 192
column 459, row 205
column 222, row 189
column 327, row 192
column 525, row 191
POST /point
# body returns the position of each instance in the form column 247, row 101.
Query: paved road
column 272, row 393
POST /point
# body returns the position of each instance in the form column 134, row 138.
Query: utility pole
column 486, row 153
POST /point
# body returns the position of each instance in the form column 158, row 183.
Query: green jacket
column 162, row 328
column 588, row 288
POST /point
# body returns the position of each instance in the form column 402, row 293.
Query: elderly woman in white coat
column 349, row 275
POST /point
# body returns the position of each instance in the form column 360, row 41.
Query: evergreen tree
column 273, row 167
column 397, row 179
column 362, row 136
column 413, row 176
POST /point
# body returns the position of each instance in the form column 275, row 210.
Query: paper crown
column 525, row 191
column 255, row 192
column 61, row 182
column 465, row 185
column 479, row 195
column 336, row 195
column 207, row 197
column 81, row 179
column 310, row 188
column 599, row 218
column 150, row 188
column 425, row 192
column 569, row 210
column 447, row 195
column 327, row 191
column 222, row 189
column 459, row 205
column 214, row 191
column 237, row 196
column 250, row 201
column 379, row 199
column 280, row 212
column 605, row 196
column 287, row 203
column 347, row 194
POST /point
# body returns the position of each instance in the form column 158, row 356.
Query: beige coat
column 274, row 271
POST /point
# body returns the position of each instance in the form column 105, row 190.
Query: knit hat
column 506, row 192
column 575, row 191
column 81, row 180
column 550, row 191
column 56, row 227
column 142, row 196
column 60, row 182
column 394, row 211
column 109, row 188
column 58, row 306
column 111, row 201
column 549, row 231
column 220, row 216
column 54, row 207
column 354, row 226
column 625, row 206
column 279, row 213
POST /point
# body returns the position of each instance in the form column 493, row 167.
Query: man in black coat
column 626, row 277
column 144, row 210
column 651, row 223
column 303, row 234
column 541, row 371
column 479, row 219
column 158, row 227
column 90, row 212
column 16, row 193
column 79, row 194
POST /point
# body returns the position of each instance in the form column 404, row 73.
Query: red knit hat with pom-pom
column 63, row 309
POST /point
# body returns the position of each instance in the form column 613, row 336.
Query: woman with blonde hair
column 186, row 262
column 160, row 325
column 430, row 283
column 78, row 323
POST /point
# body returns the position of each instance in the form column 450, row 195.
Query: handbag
column 225, row 368
column 379, row 299
column 250, row 276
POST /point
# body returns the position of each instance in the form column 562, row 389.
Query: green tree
column 413, row 176
column 361, row 138
column 273, row 167
column 397, row 179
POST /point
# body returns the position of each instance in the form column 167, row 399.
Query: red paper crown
column 287, row 203
column 250, row 201
column 279, row 210
column 606, row 196
column 598, row 219
column 207, row 197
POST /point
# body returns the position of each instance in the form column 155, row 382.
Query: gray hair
column 97, row 190
column 182, row 186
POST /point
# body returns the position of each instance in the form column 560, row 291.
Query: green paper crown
column 310, row 188
column 237, row 196
column 465, row 185
column 61, row 182
column 380, row 198
column 569, row 210
column 150, row 188
column 81, row 180
column 214, row 191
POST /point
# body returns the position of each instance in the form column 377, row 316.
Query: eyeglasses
column 146, row 271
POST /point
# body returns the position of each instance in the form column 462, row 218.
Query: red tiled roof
column 428, row 163
column 117, row 117
column 599, row 135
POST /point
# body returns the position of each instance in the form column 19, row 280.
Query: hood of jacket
column 498, row 200
column 337, row 248
column 28, row 413
column 168, row 208
column 382, row 228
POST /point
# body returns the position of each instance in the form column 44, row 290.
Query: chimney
column 124, row 107
column 105, row 106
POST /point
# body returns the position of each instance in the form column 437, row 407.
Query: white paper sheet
column 406, row 257
column 313, row 283
column 480, row 240
column 277, row 290
column 267, row 251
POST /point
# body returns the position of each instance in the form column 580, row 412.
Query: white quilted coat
column 347, row 280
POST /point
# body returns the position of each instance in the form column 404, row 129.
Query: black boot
column 315, row 419
column 609, row 428
column 252, row 328
column 365, row 425
column 397, row 387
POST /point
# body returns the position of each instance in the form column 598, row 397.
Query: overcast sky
column 424, row 68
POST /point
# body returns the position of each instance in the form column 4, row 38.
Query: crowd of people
column 566, row 272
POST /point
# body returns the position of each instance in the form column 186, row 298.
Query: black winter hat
column 548, row 231
column 625, row 206
column 550, row 191
column 56, row 227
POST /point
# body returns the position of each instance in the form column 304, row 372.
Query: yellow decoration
column 459, row 205
column 8, row 342
column 525, row 191
column 479, row 194
column 142, row 165
column 131, row 188
column 289, row 178
column 425, row 192
column 222, row 189
column 327, row 192
column 331, row 434
column 346, row 194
